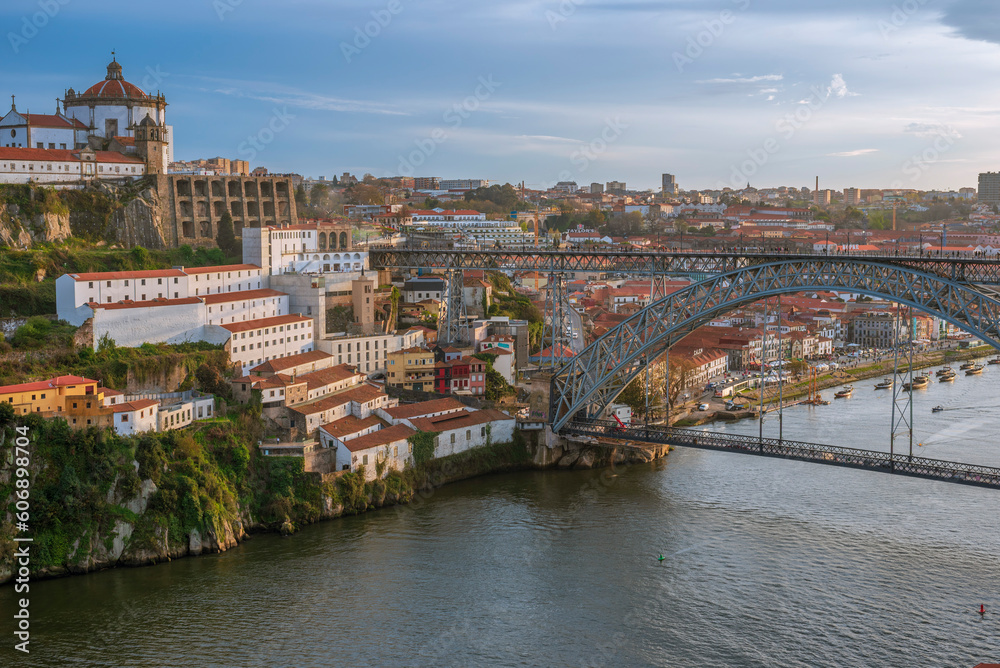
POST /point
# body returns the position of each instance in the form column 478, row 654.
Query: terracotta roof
column 321, row 405
column 53, row 121
column 362, row 393
column 118, row 275
column 134, row 405
column 425, row 408
column 458, row 420
column 226, row 297
column 349, row 425
column 58, row 381
column 283, row 363
column 323, row 377
column 128, row 303
column 379, row 438
column 114, row 88
column 265, row 322
column 220, row 268
column 108, row 392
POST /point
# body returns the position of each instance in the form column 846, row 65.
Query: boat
column 995, row 360
column 921, row 381
column 937, row 409
column 945, row 371
column 967, row 366
column 845, row 393
column 975, row 371
column 947, row 378
column 884, row 385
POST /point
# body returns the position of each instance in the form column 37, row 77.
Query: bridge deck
column 869, row 460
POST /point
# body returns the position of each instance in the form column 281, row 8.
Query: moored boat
column 995, row 360
column 948, row 377
column 967, row 366
column 885, row 384
column 975, row 371
column 845, row 393
column 921, row 381
column 945, row 371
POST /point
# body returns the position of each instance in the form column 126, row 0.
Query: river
column 767, row 563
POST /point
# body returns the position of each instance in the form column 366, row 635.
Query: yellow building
column 411, row 369
column 77, row 399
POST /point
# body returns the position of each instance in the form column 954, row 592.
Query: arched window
column 343, row 240
column 322, row 240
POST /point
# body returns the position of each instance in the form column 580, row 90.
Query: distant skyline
column 872, row 94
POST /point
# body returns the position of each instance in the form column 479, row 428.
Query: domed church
column 112, row 109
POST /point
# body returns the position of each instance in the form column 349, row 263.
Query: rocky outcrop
column 21, row 231
column 139, row 222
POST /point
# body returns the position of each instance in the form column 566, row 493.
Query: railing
column 901, row 464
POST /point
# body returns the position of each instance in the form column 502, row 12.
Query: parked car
column 703, row 407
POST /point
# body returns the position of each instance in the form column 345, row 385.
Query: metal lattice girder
column 598, row 374
column 982, row 270
column 832, row 455
column 452, row 324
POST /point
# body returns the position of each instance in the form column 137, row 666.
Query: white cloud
column 744, row 80
column 851, row 154
column 838, row 87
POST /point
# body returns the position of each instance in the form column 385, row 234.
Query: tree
column 226, row 237
column 318, row 194
column 365, row 193
column 680, row 373
column 301, row 199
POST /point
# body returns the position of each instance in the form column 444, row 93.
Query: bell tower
column 150, row 145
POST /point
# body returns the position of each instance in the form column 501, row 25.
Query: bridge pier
column 552, row 450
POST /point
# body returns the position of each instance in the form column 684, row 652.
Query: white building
column 76, row 292
column 54, row 166
column 461, row 430
column 423, row 287
column 388, row 445
column 369, row 353
column 254, row 342
column 424, row 409
column 448, row 218
column 136, row 417
column 298, row 249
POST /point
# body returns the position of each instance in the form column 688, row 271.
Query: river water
column 767, row 563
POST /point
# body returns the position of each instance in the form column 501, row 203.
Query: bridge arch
column 597, row 375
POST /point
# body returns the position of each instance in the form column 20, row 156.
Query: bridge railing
column 826, row 454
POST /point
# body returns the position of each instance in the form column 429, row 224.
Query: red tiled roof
column 114, row 88
column 323, row 377
column 58, row 381
column 458, row 420
column 226, row 297
column 379, row 438
column 130, row 406
column 53, row 121
column 220, row 268
column 117, row 275
column 265, row 322
column 362, row 394
column 349, row 425
column 283, row 363
column 128, row 303
column 425, row 408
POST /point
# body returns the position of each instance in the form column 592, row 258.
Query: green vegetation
column 22, row 294
column 423, row 446
column 210, row 478
column 497, row 386
column 40, row 332
column 111, row 365
column 226, row 236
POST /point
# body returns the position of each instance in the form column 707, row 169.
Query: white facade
column 53, row 166
column 256, row 341
column 462, row 431
column 296, row 249
column 226, row 278
column 136, row 417
column 369, row 353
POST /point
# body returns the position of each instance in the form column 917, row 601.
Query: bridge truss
column 869, row 460
column 590, row 381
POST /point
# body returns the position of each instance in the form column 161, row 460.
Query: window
column 364, row 460
column 124, row 417
column 91, row 284
column 453, row 438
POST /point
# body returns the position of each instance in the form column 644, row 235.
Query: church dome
column 114, row 86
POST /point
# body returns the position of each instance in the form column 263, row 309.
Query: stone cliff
column 22, row 229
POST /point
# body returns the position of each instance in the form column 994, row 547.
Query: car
column 576, row 335
column 703, row 407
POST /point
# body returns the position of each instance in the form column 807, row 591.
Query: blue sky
column 866, row 93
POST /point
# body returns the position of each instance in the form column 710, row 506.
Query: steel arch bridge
column 592, row 380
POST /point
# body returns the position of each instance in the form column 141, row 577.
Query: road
column 576, row 322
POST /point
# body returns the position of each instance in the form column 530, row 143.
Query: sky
column 862, row 93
